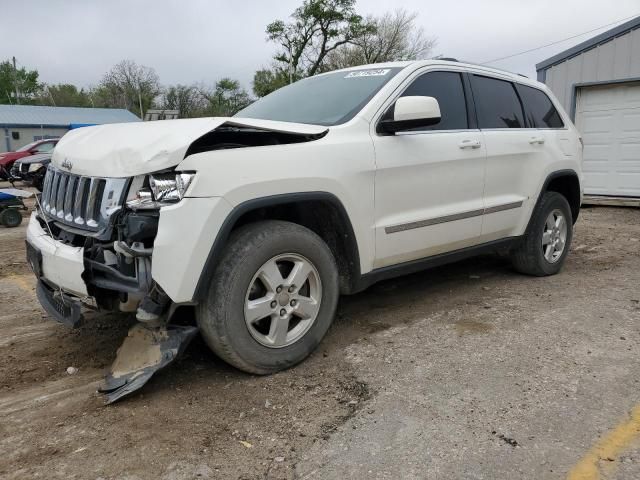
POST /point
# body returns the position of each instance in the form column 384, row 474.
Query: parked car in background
column 40, row 146
column 31, row 169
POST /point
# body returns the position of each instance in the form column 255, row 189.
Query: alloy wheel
column 554, row 236
column 283, row 300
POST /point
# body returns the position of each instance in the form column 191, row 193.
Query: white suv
column 260, row 221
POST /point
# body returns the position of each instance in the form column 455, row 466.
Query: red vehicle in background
column 40, row 146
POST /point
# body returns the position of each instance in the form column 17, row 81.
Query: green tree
column 184, row 98
column 226, row 98
column 396, row 37
column 128, row 85
column 317, row 28
column 63, row 95
column 267, row 80
column 21, row 82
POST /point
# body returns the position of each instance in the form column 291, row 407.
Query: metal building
column 598, row 83
column 23, row 124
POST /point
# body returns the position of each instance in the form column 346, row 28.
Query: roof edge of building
column 599, row 39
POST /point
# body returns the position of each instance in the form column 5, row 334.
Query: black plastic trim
column 104, row 276
column 61, row 307
column 414, row 266
column 223, row 234
column 550, row 177
column 472, row 115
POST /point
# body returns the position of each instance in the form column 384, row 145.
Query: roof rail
column 447, row 59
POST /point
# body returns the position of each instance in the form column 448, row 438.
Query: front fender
column 186, row 232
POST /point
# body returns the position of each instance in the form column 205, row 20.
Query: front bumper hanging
column 145, row 351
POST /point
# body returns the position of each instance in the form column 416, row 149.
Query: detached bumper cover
column 145, row 351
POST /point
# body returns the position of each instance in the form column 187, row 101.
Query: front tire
column 545, row 246
column 272, row 298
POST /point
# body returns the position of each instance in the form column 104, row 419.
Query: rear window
column 539, row 109
column 497, row 103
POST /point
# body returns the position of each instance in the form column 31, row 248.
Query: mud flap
column 145, row 351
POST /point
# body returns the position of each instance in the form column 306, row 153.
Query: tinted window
column 497, row 103
column 540, row 111
column 446, row 87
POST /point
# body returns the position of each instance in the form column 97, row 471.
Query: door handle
column 470, row 144
column 536, row 140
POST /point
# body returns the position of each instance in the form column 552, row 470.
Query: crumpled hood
column 129, row 149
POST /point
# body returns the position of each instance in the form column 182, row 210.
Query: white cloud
column 201, row 40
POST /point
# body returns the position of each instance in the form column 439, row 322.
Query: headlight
column 158, row 189
column 34, row 167
column 169, row 187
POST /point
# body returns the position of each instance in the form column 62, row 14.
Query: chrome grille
column 80, row 201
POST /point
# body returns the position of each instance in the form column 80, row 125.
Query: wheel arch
column 566, row 183
column 321, row 212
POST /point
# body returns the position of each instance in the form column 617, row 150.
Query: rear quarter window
column 539, row 109
column 497, row 103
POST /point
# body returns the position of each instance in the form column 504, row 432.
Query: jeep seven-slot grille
column 79, row 201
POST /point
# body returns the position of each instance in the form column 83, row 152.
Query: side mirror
column 412, row 112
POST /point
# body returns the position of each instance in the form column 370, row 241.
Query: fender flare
column 552, row 176
column 269, row 201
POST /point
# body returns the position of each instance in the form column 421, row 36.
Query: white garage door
column 608, row 117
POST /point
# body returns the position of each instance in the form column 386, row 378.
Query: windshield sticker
column 380, row 72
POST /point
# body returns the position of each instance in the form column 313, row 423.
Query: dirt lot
column 466, row 371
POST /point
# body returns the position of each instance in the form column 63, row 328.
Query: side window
column 497, row 103
column 447, row 88
column 540, row 111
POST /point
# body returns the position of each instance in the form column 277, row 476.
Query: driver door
column 429, row 182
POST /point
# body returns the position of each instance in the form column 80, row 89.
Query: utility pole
column 140, row 102
column 15, row 80
column 52, row 99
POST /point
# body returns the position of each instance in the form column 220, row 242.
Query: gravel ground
column 466, row 371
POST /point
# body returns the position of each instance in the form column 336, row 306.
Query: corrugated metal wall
column 27, row 135
column 615, row 60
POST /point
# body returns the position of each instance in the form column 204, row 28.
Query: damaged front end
column 113, row 222
column 91, row 243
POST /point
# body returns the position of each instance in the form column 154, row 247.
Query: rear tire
column 545, row 246
column 10, row 217
column 272, row 297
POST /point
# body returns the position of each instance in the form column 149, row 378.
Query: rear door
column 429, row 181
column 515, row 154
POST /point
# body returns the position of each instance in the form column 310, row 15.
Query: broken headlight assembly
column 158, row 189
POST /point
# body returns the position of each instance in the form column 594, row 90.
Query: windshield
column 26, row 147
column 328, row 99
